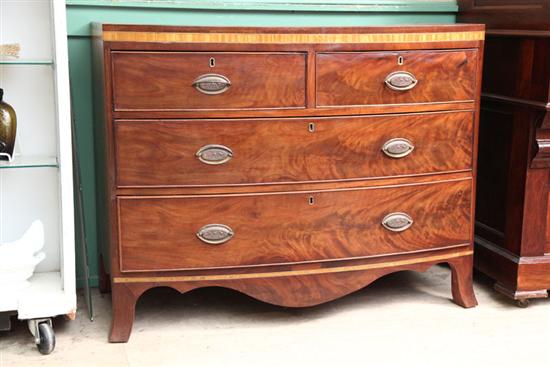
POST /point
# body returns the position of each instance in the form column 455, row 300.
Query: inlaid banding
column 296, row 38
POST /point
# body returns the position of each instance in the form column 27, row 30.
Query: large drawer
column 174, row 233
column 231, row 152
column 208, row 80
column 401, row 77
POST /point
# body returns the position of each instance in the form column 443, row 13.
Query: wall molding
column 281, row 5
column 278, row 13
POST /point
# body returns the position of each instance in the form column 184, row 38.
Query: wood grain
column 287, row 228
column 434, row 28
column 548, row 223
column 320, row 111
column 443, row 76
column 542, row 157
column 291, row 272
column 164, row 80
column 462, row 282
column 513, row 187
column 282, row 38
column 305, row 206
column 294, row 291
column 304, row 187
column 513, row 16
column 285, row 150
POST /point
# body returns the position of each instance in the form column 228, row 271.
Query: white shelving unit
column 38, row 183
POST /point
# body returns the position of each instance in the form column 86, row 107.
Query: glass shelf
column 29, row 162
column 25, row 62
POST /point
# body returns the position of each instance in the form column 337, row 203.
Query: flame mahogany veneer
column 295, row 165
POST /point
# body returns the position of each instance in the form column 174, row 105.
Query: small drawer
column 176, row 233
column 387, row 78
column 156, row 81
column 238, row 152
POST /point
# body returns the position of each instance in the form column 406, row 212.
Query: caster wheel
column 522, row 303
column 47, row 338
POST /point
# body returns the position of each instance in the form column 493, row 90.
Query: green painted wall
column 80, row 13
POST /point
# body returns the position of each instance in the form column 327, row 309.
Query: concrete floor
column 404, row 319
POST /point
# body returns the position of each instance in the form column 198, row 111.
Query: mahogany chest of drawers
column 295, row 165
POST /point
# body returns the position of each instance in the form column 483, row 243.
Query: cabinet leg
column 462, row 281
column 522, row 297
column 124, row 307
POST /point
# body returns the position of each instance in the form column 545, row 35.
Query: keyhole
column 400, row 60
column 311, row 127
column 212, row 62
column 311, row 200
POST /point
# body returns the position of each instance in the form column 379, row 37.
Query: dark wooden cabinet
column 293, row 165
column 513, row 218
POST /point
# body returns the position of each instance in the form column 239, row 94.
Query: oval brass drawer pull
column 401, row 81
column 398, row 148
column 214, row 154
column 215, row 234
column 212, row 84
column 397, row 222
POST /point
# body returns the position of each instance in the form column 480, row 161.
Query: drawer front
column 208, row 81
column 171, row 233
column 377, row 78
column 227, row 152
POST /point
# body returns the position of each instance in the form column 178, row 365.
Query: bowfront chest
column 295, row 165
